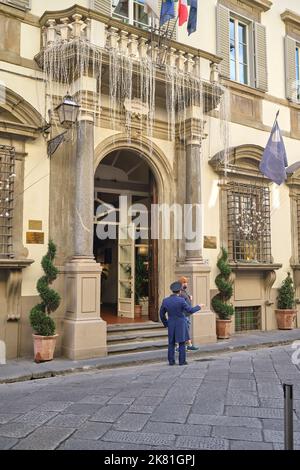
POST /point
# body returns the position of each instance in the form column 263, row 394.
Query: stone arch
column 163, row 173
column 20, row 110
column 149, row 152
column 247, row 156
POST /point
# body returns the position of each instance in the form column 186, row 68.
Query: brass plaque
column 35, row 238
column 210, row 242
column 35, row 225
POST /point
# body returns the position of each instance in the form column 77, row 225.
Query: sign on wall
column 35, row 238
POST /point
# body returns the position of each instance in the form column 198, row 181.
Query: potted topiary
column 220, row 304
column 44, row 337
column 286, row 313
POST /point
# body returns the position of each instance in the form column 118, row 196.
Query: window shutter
column 223, row 39
column 172, row 23
column 21, row 4
column 103, row 6
column 290, row 68
column 260, row 48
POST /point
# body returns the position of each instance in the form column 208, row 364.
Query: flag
column 182, row 12
column 274, row 160
column 192, row 22
column 151, row 8
column 167, row 11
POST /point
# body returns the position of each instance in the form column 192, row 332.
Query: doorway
column 125, row 188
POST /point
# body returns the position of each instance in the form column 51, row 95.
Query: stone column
column 193, row 267
column 84, row 330
column 193, row 199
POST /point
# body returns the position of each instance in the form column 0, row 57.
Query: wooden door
column 153, row 260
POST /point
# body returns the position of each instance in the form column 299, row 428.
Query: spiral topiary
column 40, row 320
column 220, row 301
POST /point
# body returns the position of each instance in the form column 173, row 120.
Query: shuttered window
column 103, row 6
column 20, row 4
column 242, row 45
column 292, row 78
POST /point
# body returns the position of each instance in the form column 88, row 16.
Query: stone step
column 140, row 346
column 137, row 336
column 134, row 327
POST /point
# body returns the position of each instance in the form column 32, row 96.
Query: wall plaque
column 35, row 225
column 210, row 242
column 35, row 238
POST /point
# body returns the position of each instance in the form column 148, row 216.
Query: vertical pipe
column 288, row 417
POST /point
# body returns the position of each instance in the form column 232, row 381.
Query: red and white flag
column 182, row 12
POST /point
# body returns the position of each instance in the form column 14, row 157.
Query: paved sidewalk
column 26, row 369
column 225, row 401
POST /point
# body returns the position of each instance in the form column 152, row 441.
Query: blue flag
column 192, row 22
column 274, row 160
column 167, row 11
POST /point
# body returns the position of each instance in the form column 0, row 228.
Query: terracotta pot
column 138, row 311
column 223, row 328
column 285, row 319
column 44, row 347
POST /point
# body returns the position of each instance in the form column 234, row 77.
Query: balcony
column 91, row 38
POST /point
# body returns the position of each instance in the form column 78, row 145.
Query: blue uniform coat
column 175, row 307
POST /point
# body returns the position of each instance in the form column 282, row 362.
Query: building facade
column 164, row 119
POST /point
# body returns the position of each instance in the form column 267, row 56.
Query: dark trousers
column 171, row 353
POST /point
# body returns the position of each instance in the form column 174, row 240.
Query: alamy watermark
column 296, row 353
column 2, row 353
column 160, row 221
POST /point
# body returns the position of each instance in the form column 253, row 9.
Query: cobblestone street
column 229, row 401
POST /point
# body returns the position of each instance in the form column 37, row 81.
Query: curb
column 116, row 361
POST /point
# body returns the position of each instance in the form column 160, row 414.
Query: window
column 297, row 72
column 239, row 63
column 20, row 4
column 242, row 44
column 247, row 318
column 248, row 210
column 130, row 11
column 7, row 169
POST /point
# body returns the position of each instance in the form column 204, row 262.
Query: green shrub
column 220, row 301
column 39, row 317
column 286, row 294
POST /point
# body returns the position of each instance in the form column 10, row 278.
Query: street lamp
column 68, row 111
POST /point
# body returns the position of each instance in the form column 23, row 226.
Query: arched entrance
column 125, row 189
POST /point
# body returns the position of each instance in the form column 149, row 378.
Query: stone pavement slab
column 47, row 438
column 26, row 369
column 154, row 406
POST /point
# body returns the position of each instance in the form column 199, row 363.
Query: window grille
column 249, row 234
column 247, row 318
column 7, row 174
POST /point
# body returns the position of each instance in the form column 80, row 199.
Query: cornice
column 15, row 263
column 290, row 17
column 263, row 5
column 254, row 266
column 23, row 16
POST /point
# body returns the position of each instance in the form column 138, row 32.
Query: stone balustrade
column 134, row 46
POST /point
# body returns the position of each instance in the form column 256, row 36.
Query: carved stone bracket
column 13, row 294
column 269, row 278
column 13, row 285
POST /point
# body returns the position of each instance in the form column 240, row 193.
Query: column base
column 84, row 333
column 84, row 339
column 204, row 322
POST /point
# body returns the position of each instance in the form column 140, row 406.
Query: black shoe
column 172, row 363
column 184, row 364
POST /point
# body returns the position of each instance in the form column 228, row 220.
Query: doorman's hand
column 202, row 306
